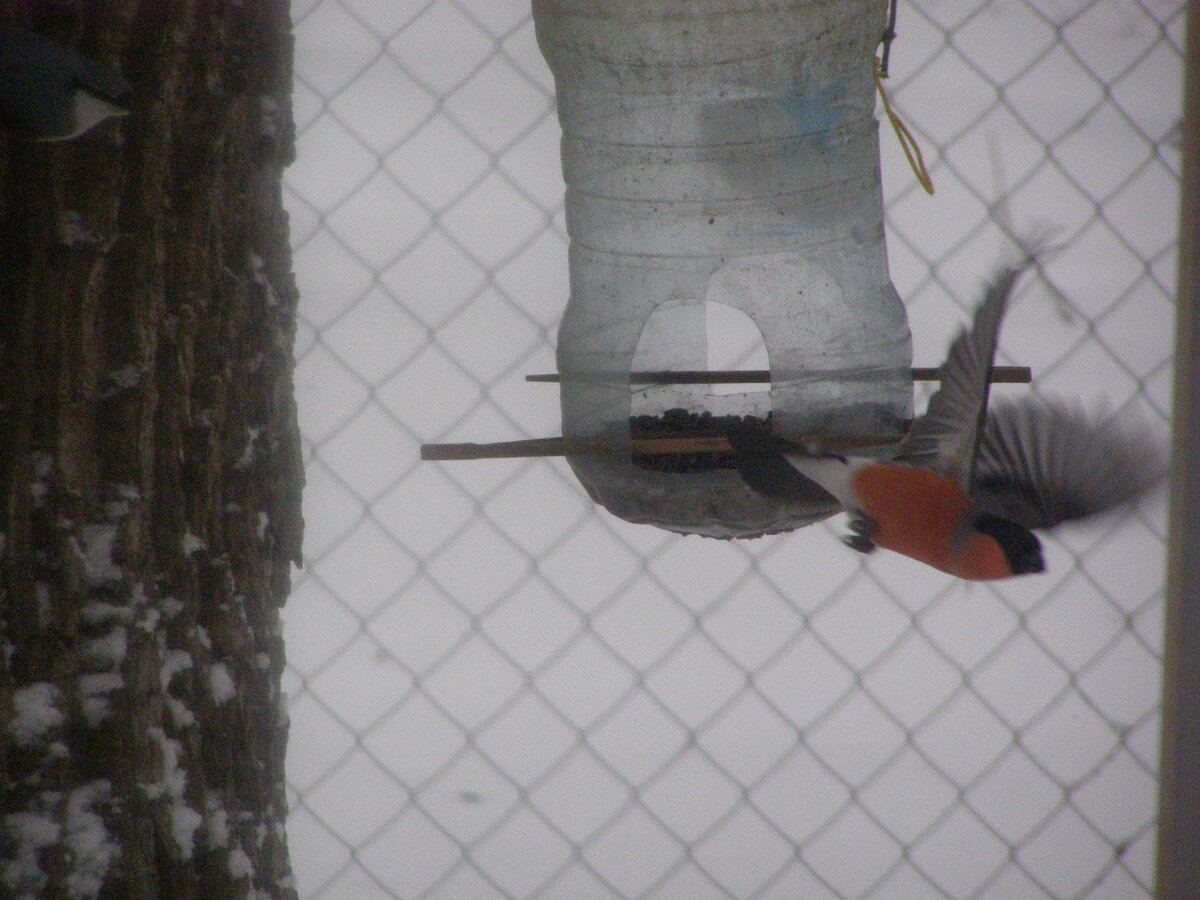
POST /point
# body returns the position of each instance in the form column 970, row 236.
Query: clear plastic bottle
column 722, row 151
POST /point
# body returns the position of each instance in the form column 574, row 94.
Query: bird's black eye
column 1021, row 547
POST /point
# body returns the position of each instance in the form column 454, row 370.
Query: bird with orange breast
column 969, row 484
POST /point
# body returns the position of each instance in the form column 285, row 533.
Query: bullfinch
column 968, row 483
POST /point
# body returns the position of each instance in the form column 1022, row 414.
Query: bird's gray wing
column 945, row 438
column 1044, row 463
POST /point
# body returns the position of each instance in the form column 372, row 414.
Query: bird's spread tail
column 762, row 459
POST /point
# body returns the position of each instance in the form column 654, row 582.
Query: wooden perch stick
column 559, row 446
column 999, row 375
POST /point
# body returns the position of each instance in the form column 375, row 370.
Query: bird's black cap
column 1021, row 547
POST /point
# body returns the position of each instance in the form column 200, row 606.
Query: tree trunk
column 149, row 464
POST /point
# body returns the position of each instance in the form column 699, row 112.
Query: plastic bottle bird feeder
column 720, row 156
column 722, row 169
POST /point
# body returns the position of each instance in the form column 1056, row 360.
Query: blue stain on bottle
column 815, row 111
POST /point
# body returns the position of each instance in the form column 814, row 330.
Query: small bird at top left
column 49, row 92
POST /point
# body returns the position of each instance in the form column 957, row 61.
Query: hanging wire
column 912, row 152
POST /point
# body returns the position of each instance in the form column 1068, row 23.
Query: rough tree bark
column 149, row 464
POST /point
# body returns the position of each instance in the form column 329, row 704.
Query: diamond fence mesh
column 498, row 690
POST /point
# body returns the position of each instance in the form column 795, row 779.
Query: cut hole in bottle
column 700, row 336
column 734, row 343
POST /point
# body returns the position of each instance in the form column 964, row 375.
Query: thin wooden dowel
column 999, row 375
column 559, row 446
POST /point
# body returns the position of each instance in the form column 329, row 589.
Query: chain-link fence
column 498, row 690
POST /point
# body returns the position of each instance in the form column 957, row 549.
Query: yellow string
column 907, row 142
